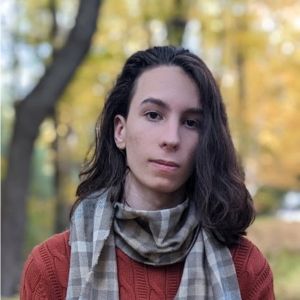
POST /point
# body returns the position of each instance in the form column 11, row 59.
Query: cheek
column 192, row 143
column 135, row 137
column 192, row 149
column 134, row 146
column 139, row 136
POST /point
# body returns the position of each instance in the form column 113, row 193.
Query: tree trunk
column 240, row 61
column 176, row 25
column 30, row 112
column 60, row 173
column 242, row 134
column 61, row 177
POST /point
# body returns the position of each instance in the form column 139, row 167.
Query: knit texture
column 45, row 274
column 145, row 282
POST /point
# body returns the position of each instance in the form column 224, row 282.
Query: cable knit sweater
column 45, row 274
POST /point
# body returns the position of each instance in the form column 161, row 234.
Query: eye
column 190, row 123
column 153, row 116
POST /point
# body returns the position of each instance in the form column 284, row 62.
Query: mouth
column 164, row 164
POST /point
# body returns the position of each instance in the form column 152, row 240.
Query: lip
column 164, row 165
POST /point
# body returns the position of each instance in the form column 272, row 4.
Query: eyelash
column 196, row 125
column 152, row 118
column 155, row 116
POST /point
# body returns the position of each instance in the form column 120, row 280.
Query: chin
column 166, row 188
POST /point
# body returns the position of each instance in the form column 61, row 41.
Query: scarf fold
column 159, row 237
column 97, row 228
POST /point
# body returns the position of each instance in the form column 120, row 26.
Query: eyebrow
column 164, row 105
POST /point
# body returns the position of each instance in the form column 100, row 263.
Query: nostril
column 170, row 145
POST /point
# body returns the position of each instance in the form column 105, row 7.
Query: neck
column 138, row 196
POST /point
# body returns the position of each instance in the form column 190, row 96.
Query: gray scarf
column 159, row 237
column 208, row 273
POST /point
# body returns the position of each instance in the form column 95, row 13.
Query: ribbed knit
column 141, row 282
column 251, row 266
column 45, row 274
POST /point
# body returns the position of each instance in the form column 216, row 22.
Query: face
column 161, row 131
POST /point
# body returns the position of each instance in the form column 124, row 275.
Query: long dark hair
column 217, row 183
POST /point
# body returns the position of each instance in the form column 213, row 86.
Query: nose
column 170, row 136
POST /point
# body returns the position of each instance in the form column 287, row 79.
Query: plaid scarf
column 208, row 272
column 159, row 237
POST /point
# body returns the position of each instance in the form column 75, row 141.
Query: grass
column 286, row 267
column 280, row 243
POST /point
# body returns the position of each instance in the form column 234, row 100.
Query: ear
column 120, row 131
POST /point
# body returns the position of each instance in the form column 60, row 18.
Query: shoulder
column 55, row 249
column 245, row 253
column 253, row 271
column 45, row 272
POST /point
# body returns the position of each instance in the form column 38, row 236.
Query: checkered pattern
column 159, row 237
column 93, row 270
column 208, row 273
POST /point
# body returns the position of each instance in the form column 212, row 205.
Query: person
column 162, row 207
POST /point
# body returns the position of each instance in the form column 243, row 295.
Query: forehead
column 167, row 83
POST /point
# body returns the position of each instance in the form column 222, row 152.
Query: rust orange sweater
column 45, row 274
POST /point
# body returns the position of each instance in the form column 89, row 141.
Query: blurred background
column 60, row 58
